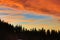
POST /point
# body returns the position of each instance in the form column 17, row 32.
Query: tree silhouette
column 9, row 32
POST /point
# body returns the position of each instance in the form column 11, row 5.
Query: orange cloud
column 50, row 7
column 16, row 19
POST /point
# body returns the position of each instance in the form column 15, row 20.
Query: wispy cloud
column 50, row 7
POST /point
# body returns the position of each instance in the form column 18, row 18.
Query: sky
column 31, row 13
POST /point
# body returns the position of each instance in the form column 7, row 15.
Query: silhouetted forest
column 9, row 32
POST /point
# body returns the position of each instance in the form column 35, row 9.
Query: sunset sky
column 31, row 13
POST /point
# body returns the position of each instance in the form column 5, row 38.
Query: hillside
column 9, row 32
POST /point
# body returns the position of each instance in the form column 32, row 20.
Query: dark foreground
column 9, row 32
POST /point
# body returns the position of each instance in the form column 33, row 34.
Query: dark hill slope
column 9, row 32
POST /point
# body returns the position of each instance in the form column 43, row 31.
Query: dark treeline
column 9, row 32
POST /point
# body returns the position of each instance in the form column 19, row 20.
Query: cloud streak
column 50, row 7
